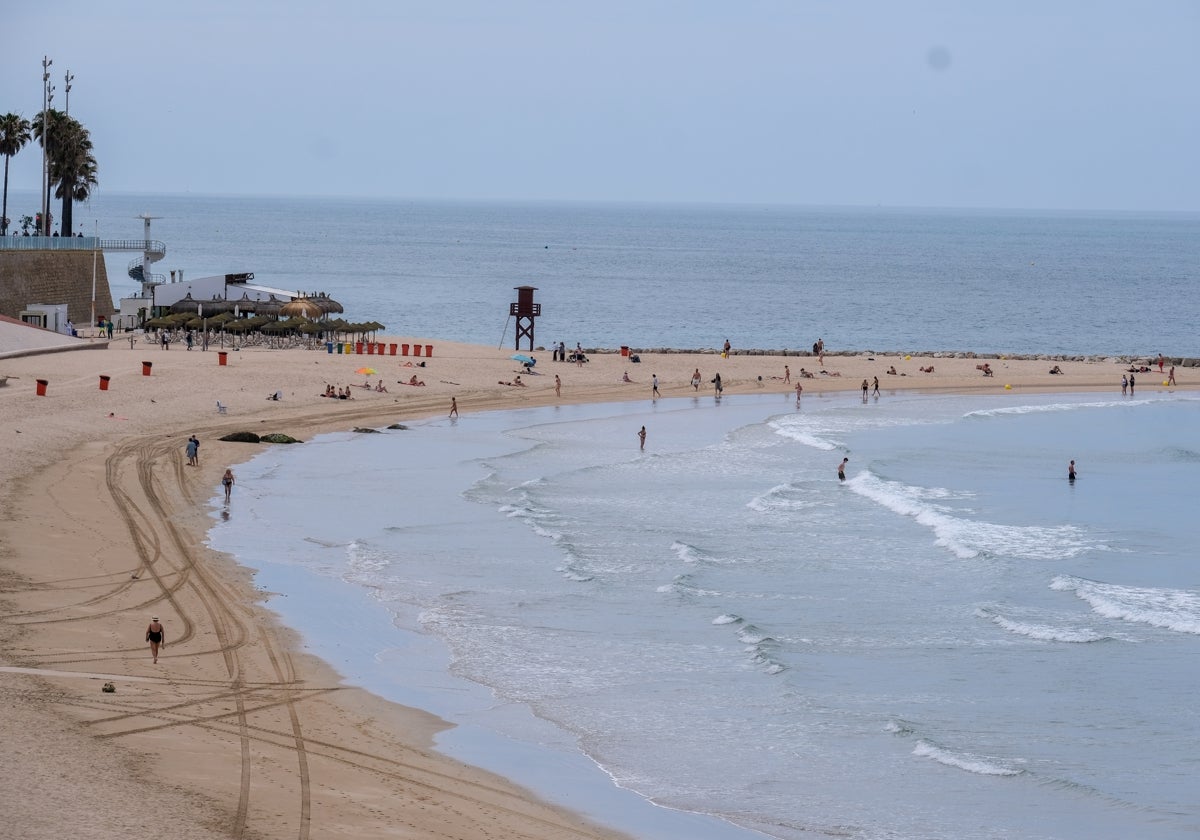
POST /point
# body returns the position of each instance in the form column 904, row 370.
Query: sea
column 716, row 638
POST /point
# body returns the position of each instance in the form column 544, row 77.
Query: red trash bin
column 624, row 351
column 358, row 347
column 41, row 387
column 370, row 349
column 403, row 349
column 379, row 349
column 416, row 349
column 429, row 350
column 393, row 346
column 146, row 368
column 222, row 358
column 104, row 382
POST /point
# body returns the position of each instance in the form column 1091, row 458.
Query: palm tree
column 72, row 164
column 14, row 134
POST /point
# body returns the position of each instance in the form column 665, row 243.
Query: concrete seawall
column 54, row 277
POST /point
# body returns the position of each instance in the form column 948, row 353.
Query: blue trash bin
column 329, row 347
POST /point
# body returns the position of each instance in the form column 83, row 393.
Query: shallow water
column 955, row 642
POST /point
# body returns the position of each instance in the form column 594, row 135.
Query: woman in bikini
column 227, row 482
column 157, row 637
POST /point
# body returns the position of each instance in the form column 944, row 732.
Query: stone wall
column 54, row 277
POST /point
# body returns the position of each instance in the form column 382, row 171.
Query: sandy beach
column 235, row 732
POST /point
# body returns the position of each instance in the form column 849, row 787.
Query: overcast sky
column 1080, row 104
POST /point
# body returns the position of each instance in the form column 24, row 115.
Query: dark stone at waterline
column 362, row 430
column 242, row 437
column 278, row 437
column 398, row 426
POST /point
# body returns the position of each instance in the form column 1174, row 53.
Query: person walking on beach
column 1171, row 377
column 717, row 386
column 454, row 403
column 725, row 352
column 842, row 469
column 1071, row 472
column 696, row 380
column 875, row 383
column 1131, row 384
column 156, row 635
column 799, row 391
column 642, row 438
column 654, row 387
column 1160, row 362
column 787, row 375
column 557, row 386
column 1124, row 384
column 193, row 451
column 227, row 482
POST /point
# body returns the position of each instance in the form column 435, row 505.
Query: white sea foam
column 964, row 761
column 967, row 538
column 727, row 618
column 1048, row 408
column 778, row 498
column 1043, row 632
column 1170, row 609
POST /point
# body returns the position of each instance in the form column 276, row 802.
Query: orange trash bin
column 41, row 387
column 429, row 350
column 104, row 382
column 416, row 349
column 403, row 349
column 222, row 358
column 146, row 368
column 370, row 349
column 393, row 347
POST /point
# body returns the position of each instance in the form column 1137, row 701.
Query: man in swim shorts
column 842, row 469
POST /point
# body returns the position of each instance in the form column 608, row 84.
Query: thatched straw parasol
column 300, row 306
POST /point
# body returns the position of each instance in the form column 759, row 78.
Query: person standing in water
column 1071, row 472
column 842, row 469
column 454, row 406
column 642, row 438
column 156, row 635
column 227, row 483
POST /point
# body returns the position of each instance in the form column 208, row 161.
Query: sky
column 1075, row 104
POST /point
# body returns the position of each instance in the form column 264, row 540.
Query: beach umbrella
column 300, row 306
column 312, row 328
column 366, row 371
column 185, row 305
column 275, row 327
column 527, row 361
column 269, row 307
column 221, row 318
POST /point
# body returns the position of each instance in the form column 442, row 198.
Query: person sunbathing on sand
column 806, row 374
column 831, row 373
column 926, row 369
column 625, row 377
column 415, row 381
column 892, row 370
column 380, row 387
column 516, row 383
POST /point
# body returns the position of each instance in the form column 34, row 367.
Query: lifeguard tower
column 525, row 311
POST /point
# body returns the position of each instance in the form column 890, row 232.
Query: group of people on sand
column 515, row 383
column 338, row 393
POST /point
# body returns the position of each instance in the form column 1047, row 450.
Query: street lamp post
column 47, row 98
column 67, row 99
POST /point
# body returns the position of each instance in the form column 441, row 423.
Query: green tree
column 71, row 162
column 14, row 134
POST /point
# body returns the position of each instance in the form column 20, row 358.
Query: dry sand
column 236, row 732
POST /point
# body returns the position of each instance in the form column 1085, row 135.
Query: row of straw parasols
column 314, row 307
column 230, row 323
